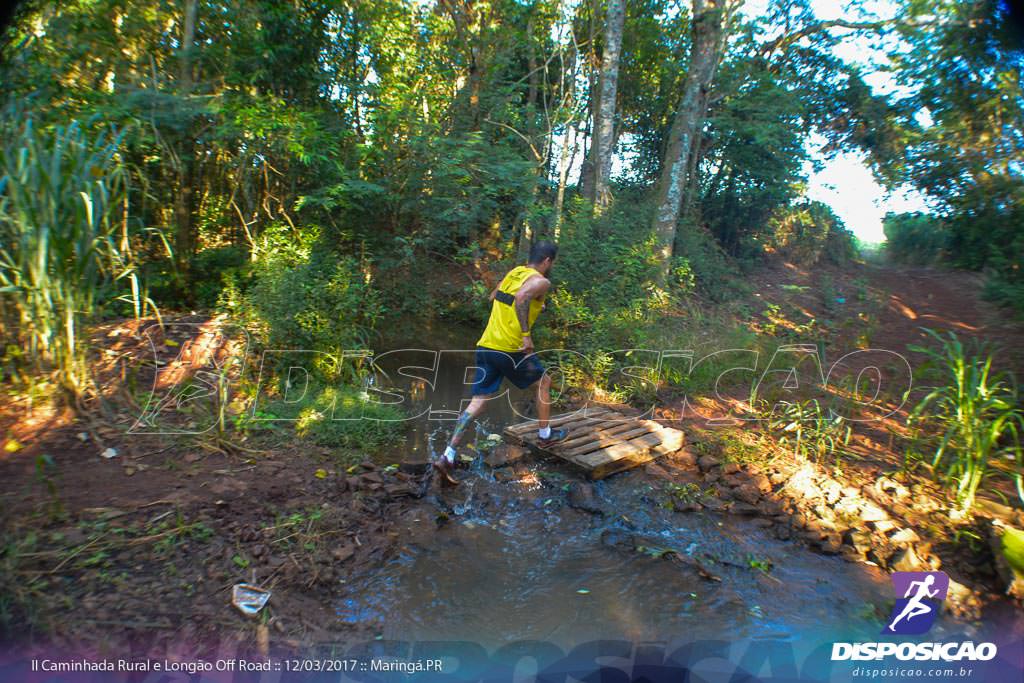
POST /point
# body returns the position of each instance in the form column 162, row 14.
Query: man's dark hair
column 542, row 250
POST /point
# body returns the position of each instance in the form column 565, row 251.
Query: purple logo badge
column 918, row 597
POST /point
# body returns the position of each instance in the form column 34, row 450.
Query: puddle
column 512, row 561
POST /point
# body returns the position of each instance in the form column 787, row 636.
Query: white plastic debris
column 109, row 453
column 83, row 437
column 249, row 599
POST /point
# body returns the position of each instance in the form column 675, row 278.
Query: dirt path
column 886, row 306
column 942, row 299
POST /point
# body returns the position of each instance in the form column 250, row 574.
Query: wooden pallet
column 602, row 441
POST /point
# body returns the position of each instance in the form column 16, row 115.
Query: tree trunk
column 183, row 200
column 564, row 162
column 706, row 29
column 604, row 123
column 593, row 104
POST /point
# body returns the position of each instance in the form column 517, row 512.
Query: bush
column 328, row 304
column 212, row 268
column 808, row 232
column 977, row 413
column 915, row 238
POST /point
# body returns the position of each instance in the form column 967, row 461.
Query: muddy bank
column 145, row 563
column 895, row 522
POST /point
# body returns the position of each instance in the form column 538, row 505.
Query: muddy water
column 496, row 561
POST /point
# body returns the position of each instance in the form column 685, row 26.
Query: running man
column 915, row 607
column 506, row 351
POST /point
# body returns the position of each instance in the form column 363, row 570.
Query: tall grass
column 978, row 414
column 61, row 243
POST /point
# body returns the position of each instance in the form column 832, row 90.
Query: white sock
column 544, row 433
column 449, row 454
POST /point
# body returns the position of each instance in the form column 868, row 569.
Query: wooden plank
column 602, row 441
column 618, row 450
column 586, row 414
column 529, row 436
column 636, row 428
column 595, row 444
column 604, row 429
column 638, row 457
column 622, row 464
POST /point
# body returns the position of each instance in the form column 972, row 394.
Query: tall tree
column 603, row 146
column 183, row 198
column 707, row 35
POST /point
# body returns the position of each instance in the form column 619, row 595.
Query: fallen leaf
column 321, row 473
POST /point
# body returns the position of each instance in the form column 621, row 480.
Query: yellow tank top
column 503, row 332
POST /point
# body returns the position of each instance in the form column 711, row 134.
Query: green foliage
column 1005, row 284
column 714, row 273
column 806, row 233
column 813, row 430
column 607, row 280
column 755, row 165
column 915, row 238
column 64, row 251
column 978, row 415
column 328, row 304
column 339, row 417
column 212, row 269
column 958, row 138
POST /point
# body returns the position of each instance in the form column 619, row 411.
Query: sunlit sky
column 845, row 183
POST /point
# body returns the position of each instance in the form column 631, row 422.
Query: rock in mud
column 881, row 551
column 859, row 540
column 415, row 467
column 747, row 493
column 581, row 496
column 685, row 458
column 962, row 602
column 904, row 537
column 832, row 490
column 869, row 512
column 707, row 462
column 616, row 538
column 687, row 506
column 763, row 484
column 831, row 543
column 505, row 454
column 745, row 509
column 883, row 526
column 398, row 490
column 730, row 468
column 343, row 553
column 713, row 503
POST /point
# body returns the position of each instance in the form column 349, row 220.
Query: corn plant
column 978, row 414
column 61, row 243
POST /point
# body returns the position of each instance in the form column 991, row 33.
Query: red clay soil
column 150, row 541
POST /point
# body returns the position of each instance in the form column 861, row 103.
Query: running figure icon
column 916, row 606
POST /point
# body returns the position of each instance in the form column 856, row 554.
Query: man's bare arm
column 534, row 288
